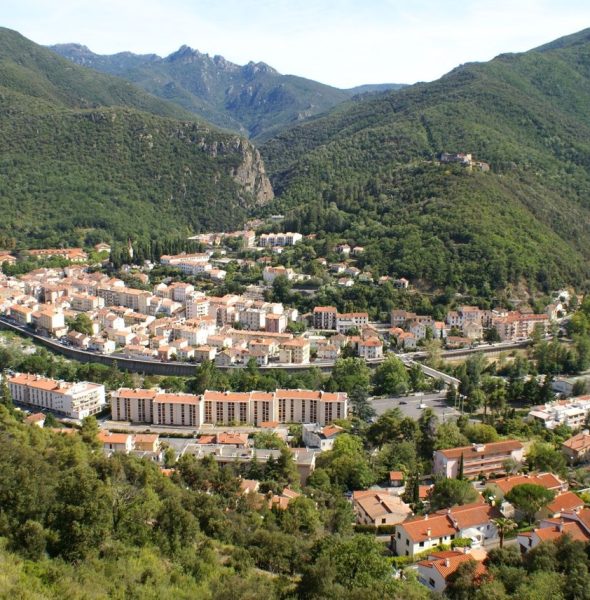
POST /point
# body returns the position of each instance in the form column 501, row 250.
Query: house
column 406, row 340
column 396, row 479
column 379, row 508
column 562, row 503
column 577, row 448
column 503, row 485
column 370, row 349
column 478, row 459
column 147, row 442
column 434, row 572
column 315, row 436
column 102, row 247
column 472, row 521
column 576, row 524
column 281, row 501
column 116, row 442
column 36, row 419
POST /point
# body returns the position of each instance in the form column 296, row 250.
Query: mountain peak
column 253, row 68
column 185, row 53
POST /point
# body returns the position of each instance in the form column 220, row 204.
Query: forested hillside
column 369, row 172
column 253, row 99
column 87, row 156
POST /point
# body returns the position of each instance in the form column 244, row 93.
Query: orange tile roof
column 447, row 522
column 106, row 437
column 554, row 532
column 546, row 480
column 146, row 438
column 476, row 450
column 565, row 501
column 396, row 476
column 578, row 442
column 446, row 563
column 177, row 399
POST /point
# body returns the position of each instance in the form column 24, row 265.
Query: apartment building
column 284, row 406
column 478, row 459
column 324, row 317
column 296, row 351
column 517, row 326
column 346, row 321
column 572, row 412
column 279, row 239
column 74, row 400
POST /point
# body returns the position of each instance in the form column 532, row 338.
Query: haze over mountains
column 254, row 99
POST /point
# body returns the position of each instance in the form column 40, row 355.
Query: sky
column 339, row 42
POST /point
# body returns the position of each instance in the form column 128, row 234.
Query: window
column 399, row 535
column 407, row 542
column 383, row 520
column 421, row 544
column 431, row 582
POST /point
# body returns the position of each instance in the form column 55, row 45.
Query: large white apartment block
column 478, row 459
column 196, row 306
column 279, row 239
column 572, row 412
column 75, row 400
column 227, row 408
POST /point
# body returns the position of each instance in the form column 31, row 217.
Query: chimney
column 429, row 532
column 447, row 563
column 426, row 517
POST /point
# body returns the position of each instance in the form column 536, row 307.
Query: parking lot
column 413, row 406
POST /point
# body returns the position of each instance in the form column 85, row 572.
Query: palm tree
column 504, row 526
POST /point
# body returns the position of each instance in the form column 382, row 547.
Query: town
column 472, row 497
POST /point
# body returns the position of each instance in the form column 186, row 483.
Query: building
column 346, row 321
column 572, row 412
column 379, row 508
column 296, row 351
column 472, row 521
column 324, row 317
column 370, row 349
column 478, row 459
column 576, row 524
column 74, row 400
column 323, row 438
column 518, row 326
column 577, row 448
column 279, row 239
column 227, row 408
column 116, row 442
column 435, row 571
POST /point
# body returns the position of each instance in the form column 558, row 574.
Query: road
column 410, row 405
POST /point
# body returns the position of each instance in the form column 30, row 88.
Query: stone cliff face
column 251, row 174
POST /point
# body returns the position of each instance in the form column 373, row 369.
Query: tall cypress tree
column 461, row 467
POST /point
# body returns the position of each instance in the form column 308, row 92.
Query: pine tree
column 5, row 395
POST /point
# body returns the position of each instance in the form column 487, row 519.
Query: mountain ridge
column 253, row 99
column 526, row 114
column 87, row 155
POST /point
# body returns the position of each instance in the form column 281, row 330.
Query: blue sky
column 342, row 43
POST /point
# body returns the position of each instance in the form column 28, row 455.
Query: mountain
column 87, row 155
column 369, row 172
column 253, row 99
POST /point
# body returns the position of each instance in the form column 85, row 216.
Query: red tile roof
column 477, row 450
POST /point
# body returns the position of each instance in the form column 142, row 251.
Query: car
column 402, row 402
column 421, row 405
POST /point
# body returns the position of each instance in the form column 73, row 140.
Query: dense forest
column 85, row 153
column 369, row 171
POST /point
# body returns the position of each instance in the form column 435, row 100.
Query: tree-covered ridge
column 369, row 167
column 252, row 99
column 89, row 154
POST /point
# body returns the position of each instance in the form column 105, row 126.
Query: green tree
column 81, row 323
column 543, row 456
column 391, row 377
column 529, row 498
column 361, row 407
column 349, row 374
column 452, row 492
column 504, row 527
column 89, row 431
